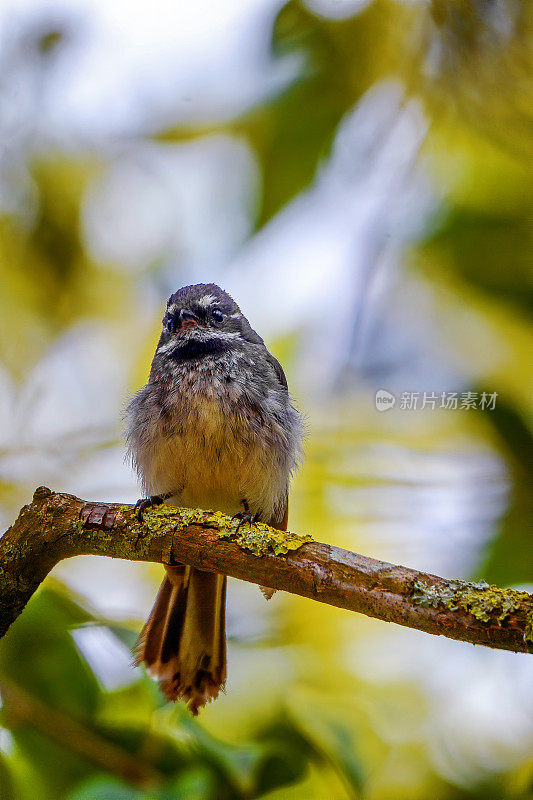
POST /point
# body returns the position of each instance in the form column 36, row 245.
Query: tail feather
column 183, row 643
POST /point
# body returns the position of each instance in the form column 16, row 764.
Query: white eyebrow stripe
column 207, row 300
column 172, row 308
column 235, row 315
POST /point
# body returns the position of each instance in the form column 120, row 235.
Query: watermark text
column 452, row 401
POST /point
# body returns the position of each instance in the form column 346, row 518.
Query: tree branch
column 56, row 526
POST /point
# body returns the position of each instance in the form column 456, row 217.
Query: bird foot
column 244, row 516
column 148, row 502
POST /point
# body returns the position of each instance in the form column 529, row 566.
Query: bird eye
column 170, row 324
column 217, row 315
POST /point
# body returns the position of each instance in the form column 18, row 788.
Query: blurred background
column 357, row 173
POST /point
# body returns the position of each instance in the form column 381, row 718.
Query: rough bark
column 55, row 526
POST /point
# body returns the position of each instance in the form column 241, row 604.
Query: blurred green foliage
column 68, row 733
column 292, row 133
column 48, row 280
column 468, row 64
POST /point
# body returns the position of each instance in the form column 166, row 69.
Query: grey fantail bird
column 213, row 428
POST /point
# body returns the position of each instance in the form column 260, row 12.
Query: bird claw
column 244, row 516
column 147, row 502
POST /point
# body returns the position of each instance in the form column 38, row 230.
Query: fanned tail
column 183, row 643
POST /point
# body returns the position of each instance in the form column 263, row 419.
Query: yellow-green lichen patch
column 483, row 601
column 490, row 604
column 78, row 526
column 260, row 538
column 159, row 519
column 164, row 518
column 528, row 633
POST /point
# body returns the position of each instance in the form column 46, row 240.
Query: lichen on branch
column 480, row 599
column 258, row 538
column 55, row 526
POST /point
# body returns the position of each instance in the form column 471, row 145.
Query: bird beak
column 187, row 319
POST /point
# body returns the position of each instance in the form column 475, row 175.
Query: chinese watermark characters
column 419, row 401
